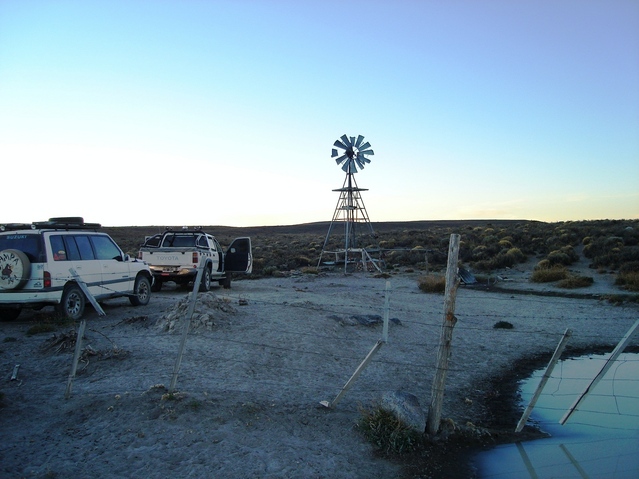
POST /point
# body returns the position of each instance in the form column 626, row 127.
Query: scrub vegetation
column 486, row 246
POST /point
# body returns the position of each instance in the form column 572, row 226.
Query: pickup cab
column 176, row 255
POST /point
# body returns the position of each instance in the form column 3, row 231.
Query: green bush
column 387, row 432
column 563, row 256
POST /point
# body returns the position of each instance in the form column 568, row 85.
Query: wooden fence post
column 443, row 354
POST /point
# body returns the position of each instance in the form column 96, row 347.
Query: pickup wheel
column 141, row 291
column 205, row 284
column 72, row 302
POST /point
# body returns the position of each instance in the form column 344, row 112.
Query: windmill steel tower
column 350, row 210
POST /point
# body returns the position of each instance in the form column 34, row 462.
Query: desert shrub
column 630, row 267
column 432, row 284
column 387, row 244
column 269, row 270
column 480, row 252
column 572, row 282
column 563, row 256
column 505, row 244
column 628, row 280
column 387, row 432
column 503, row 259
column 548, row 275
column 299, row 261
column 310, row 270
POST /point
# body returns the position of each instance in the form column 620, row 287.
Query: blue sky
column 225, row 112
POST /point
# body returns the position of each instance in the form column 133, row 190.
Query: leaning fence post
column 187, row 325
column 443, row 354
column 76, row 358
column 551, row 365
column 634, row 329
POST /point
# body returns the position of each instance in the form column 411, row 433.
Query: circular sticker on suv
column 14, row 269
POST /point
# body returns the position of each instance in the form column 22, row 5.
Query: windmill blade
column 340, row 159
column 360, row 138
column 352, row 138
column 366, row 152
column 349, row 167
column 360, row 163
column 346, row 141
column 361, row 157
column 341, row 145
column 334, row 153
column 364, row 146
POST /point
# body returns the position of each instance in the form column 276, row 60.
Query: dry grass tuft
column 432, row 284
column 572, row 282
column 547, row 274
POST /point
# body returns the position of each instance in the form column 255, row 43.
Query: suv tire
column 72, row 302
column 15, row 268
column 141, row 291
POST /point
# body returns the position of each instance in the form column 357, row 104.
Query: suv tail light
column 195, row 258
column 47, row 279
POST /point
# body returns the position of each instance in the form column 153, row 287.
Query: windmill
column 351, row 153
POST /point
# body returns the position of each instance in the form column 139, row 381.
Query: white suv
column 44, row 264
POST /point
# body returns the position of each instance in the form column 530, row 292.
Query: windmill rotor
column 354, row 153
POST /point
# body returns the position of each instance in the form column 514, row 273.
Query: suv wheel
column 141, row 291
column 72, row 303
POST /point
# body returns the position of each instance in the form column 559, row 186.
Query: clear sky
column 189, row 112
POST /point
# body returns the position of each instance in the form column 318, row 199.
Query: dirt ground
column 258, row 360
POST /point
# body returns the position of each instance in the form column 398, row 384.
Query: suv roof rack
column 67, row 223
column 62, row 223
column 16, row 226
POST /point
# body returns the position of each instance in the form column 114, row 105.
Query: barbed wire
column 431, row 317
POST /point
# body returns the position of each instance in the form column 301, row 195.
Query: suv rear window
column 29, row 244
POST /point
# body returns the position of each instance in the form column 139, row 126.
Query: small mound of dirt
column 210, row 311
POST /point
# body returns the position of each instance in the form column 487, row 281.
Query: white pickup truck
column 176, row 256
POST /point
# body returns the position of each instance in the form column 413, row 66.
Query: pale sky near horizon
column 225, row 112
